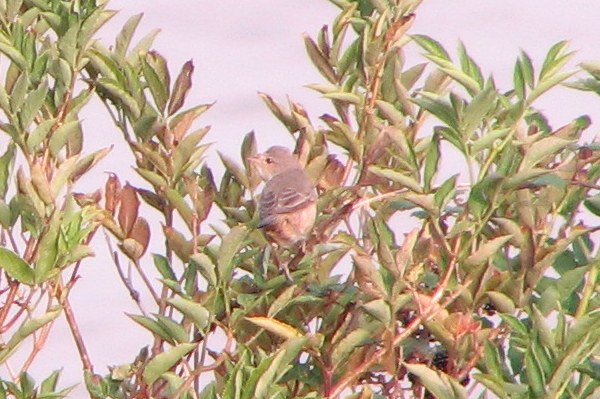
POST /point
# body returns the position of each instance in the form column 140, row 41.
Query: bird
column 288, row 202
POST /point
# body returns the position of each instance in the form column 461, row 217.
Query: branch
column 428, row 313
column 83, row 354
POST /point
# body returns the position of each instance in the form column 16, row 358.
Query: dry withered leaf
column 333, row 174
column 141, row 233
column 112, row 193
column 128, row 211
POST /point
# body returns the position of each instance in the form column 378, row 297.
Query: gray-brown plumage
column 287, row 204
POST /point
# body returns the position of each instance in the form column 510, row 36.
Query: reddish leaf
column 112, row 191
column 181, row 88
column 128, row 211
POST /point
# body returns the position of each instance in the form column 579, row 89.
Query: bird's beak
column 254, row 159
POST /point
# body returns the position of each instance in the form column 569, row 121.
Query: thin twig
column 147, row 282
column 133, row 293
column 73, row 326
column 202, row 369
column 37, row 346
column 348, row 379
column 14, row 286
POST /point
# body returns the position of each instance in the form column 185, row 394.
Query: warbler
column 288, row 202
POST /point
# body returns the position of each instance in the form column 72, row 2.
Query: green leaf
column 432, row 159
column 48, row 250
column 379, row 309
column 67, row 46
column 541, row 149
column 509, row 226
column 39, row 134
column 438, row 108
column 474, row 113
column 409, row 77
column 445, row 191
column 502, row 302
column 154, row 67
column 319, row 60
column 470, row 84
column 535, row 376
column 348, row 344
column 153, row 178
column 235, row 170
column 61, row 136
column 487, row 250
column 283, row 300
column 16, row 267
column 519, row 80
column 468, row 65
column 92, row 23
column 48, row 386
column 349, row 98
column 6, row 165
column 389, row 112
column 527, row 69
column 27, row 328
column 278, row 365
column 479, row 200
column 33, row 103
column 162, row 362
column 176, row 330
column 593, row 204
column 230, row 246
column 12, row 53
column 397, row 177
column 19, row 91
column 488, row 138
column 547, row 84
column 163, row 266
column 555, row 58
column 124, row 37
column 118, row 95
column 206, row 267
column 153, row 326
column 432, row 46
column 195, row 312
column 439, row 384
column 515, row 324
column 176, row 200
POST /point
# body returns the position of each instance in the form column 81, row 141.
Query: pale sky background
column 240, row 47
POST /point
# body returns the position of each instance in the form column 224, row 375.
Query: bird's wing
column 285, row 193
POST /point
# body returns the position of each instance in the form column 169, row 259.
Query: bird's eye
column 269, row 160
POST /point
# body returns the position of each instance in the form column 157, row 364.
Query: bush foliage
column 491, row 292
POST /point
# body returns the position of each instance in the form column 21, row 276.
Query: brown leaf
column 41, row 184
column 207, row 199
column 112, row 193
column 176, row 242
column 399, row 28
column 154, row 200
column 302, row 149
column 333, row 174
column 141, row 233
column 280, row 112
column 106, row 220
column 181, row 88
column 249, row 149
column 88, row 199
column 128, row 211
column 133, row 249
column 379, row 149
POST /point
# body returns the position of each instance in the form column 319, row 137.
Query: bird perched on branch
column 288, row 202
